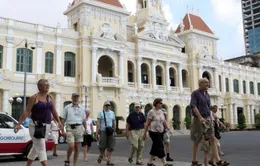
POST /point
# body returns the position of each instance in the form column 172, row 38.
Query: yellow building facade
column 108, row 54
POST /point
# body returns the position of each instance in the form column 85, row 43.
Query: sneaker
column 221, row 153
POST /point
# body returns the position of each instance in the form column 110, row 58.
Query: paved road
column 241, row 148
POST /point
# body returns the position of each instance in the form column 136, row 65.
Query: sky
column 224, row 17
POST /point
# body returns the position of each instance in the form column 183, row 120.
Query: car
column 16, row 144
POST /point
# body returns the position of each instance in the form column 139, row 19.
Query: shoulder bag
column 109, row 130
column 40, row 128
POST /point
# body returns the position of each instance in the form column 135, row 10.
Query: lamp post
column 25, row 68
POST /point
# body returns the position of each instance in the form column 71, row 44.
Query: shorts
column 166, row 138
column 106, row 142
column 205, row 145
column 198, row 130
column 87, row 140
column 75, row 135
column 55, row 136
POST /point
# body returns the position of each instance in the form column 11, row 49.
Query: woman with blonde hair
column 156, row 124
column 41, row 108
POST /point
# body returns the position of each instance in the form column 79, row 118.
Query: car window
column 6, row 122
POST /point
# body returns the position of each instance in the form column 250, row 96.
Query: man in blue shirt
column 135, row 130
column 106, row 131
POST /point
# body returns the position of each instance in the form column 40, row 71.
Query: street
column 241, row 149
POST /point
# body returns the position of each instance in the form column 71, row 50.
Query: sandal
column 212, row 163
column 99, row 160
column 139, row 163
column 130, row 160
column 110, row 163
column 222, row 163
column 195, row 163
column 67, row 163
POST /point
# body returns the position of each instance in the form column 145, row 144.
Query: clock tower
column 148, row 13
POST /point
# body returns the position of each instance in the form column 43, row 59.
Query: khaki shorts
column 75, row 135
column 205, row 145
column 198, row 130
column 166, row 138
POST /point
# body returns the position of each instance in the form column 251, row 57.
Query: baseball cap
column 107, row 103
column 137, row 105
column 75, row 94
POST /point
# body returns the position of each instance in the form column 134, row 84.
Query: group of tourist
column 79, row 129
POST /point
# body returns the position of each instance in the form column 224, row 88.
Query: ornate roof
column 110, row 2
column 191, row 21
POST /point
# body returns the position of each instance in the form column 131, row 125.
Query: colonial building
column 106, row 54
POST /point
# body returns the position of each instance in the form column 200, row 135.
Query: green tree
column 241, row 121
column 257, row 120
column 187, row 121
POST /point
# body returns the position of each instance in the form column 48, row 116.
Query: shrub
column 241, row 121
column 257, row 120
column 187, row 121
column 175, row 123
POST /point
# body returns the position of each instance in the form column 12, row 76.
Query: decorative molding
column 58, row 47
column 39, row 44
column 9, row 39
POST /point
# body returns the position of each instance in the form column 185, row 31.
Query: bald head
column 204, row 83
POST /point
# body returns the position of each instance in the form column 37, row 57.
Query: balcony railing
column 160, row 87
column 146, row 86
column 175, row 89
column 110, row 80
column 186, row 90
column 131, row 84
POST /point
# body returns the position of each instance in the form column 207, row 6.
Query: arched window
column 69, row 64
column 48, row 62
column 1, row 56
column 244, row 87
column 227, row 85
column 236, row 86
column 251, row 88
column 258, row 87
column 24, row 59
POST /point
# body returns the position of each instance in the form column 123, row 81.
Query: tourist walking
column 55, row 135
column 203, row 123
column 88, row 136
column 74, row 116
column 156, row 125
column 106, row 127
column 167, row 140
column 134, row 131
column 40, row 108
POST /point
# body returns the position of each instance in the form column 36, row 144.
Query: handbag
column 40, row 128
column 216, row 129
column 109, row 130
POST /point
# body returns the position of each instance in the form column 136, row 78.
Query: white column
column 5, row 101
column 241, row 89
column 216, row 78
column 252, row 114
column 235, row 114
column 223, row 79
column 57, row 103
column 248, row 87
column 9, row 56
column 231, row 119
column 139, row 72
column 167, row 73
column 39, row 58
column 180, row 77
column 200, row 72
column 248, row 114
column 154, row 73
column 94, row 65
column 58, row 59
column 122, row 67
column 231, row 87
column 255, row 88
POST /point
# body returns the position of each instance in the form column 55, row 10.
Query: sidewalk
column 59, row 161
